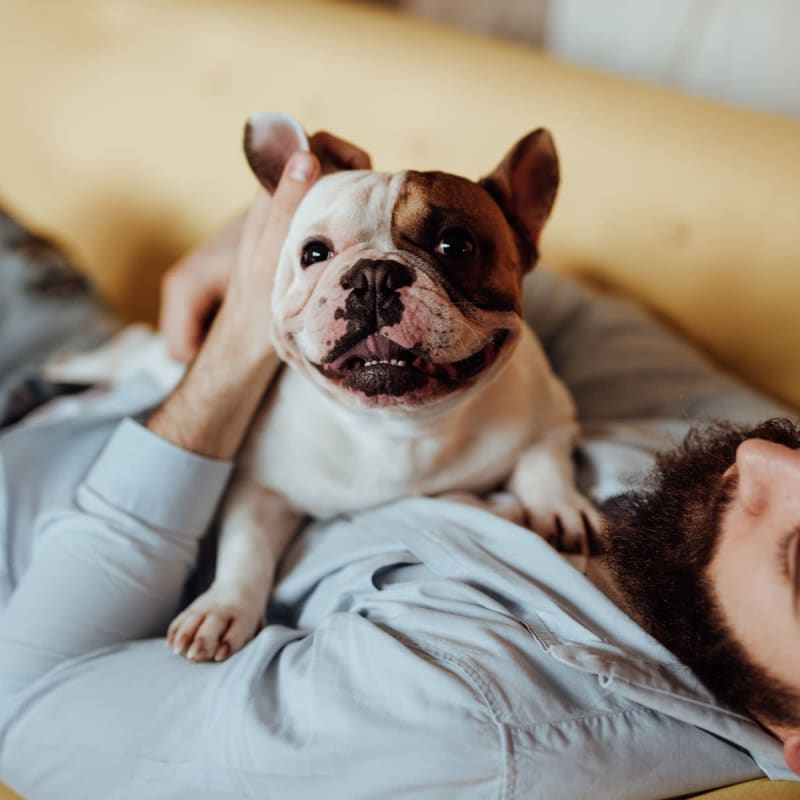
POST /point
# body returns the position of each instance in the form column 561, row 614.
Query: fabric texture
column 46, row 306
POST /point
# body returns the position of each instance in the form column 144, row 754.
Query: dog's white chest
column 327, row 460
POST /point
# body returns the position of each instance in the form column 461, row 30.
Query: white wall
column 745, row 52
column 741, row 51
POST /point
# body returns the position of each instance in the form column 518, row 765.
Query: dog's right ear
column 270, row 137
column 525, row 182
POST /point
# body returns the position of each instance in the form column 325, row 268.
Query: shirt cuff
column 161, row 484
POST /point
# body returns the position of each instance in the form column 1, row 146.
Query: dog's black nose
column 378, row 279
column 373, row 301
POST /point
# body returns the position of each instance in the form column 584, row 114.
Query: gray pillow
column 638, row 386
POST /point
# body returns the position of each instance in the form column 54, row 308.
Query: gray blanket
column 46, row 306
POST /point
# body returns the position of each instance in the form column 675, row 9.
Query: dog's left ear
column 525, row 182
column 270, row 137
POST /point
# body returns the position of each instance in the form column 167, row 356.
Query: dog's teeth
column 393, row 361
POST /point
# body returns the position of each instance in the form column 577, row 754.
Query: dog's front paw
column 566, row 519
column 218, row 623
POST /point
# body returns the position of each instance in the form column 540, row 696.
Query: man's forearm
column 210, row 411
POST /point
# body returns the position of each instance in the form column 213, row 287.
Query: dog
column 397, row 308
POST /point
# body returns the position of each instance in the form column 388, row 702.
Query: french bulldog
column 397, row 308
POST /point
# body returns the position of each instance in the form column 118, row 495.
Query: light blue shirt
column 424, row 650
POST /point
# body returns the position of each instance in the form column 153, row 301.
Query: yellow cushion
column 122, row 125
column 127, row 117
column 752, row 790
column 756, row 790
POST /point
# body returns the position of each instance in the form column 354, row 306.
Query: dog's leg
column 257, row 525
column 544, row 481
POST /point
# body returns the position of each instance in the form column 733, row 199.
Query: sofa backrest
column 122, row 127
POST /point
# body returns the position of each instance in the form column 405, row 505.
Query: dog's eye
column 315, row 251
column 455, row 243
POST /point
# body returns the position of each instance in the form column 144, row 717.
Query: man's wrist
column 233, row 350
column 211, row 409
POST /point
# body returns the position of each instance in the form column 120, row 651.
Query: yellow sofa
column 122, row 122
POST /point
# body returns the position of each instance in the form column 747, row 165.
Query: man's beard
column 660, row 542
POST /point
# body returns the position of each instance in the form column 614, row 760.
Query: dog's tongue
column 379, row 348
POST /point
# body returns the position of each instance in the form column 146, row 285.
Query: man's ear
column 525, row 182
column 791, row 751
column 270, row 137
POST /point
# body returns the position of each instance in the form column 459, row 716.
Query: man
column 426, row 649
column 709, row 560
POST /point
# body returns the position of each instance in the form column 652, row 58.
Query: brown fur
column 429, row 204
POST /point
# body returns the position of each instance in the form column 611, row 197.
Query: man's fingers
column 192, row 290
column 176, row 316
column 337, row 153
column 300, row 172
column 187, row 304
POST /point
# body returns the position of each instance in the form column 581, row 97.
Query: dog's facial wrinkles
column 373, row 301
column 406, row 307
column 442, row 236
column 416, row 295
column 374, row 364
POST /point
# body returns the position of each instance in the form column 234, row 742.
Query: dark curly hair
column 661, row 541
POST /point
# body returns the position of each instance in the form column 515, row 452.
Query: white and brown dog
column 397, row 305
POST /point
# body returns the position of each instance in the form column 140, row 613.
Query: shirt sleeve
column 110, row 566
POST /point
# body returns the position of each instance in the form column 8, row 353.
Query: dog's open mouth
column 379, row 366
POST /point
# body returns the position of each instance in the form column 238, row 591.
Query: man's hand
column 193, row 289
column 211, row 409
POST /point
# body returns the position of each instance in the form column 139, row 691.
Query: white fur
column 327, row 458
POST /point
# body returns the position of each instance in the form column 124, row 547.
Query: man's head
column 708, row 556
column 402, row 291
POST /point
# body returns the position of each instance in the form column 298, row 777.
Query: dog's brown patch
column 430, row 204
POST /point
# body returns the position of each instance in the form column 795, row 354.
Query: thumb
column 299, row 174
